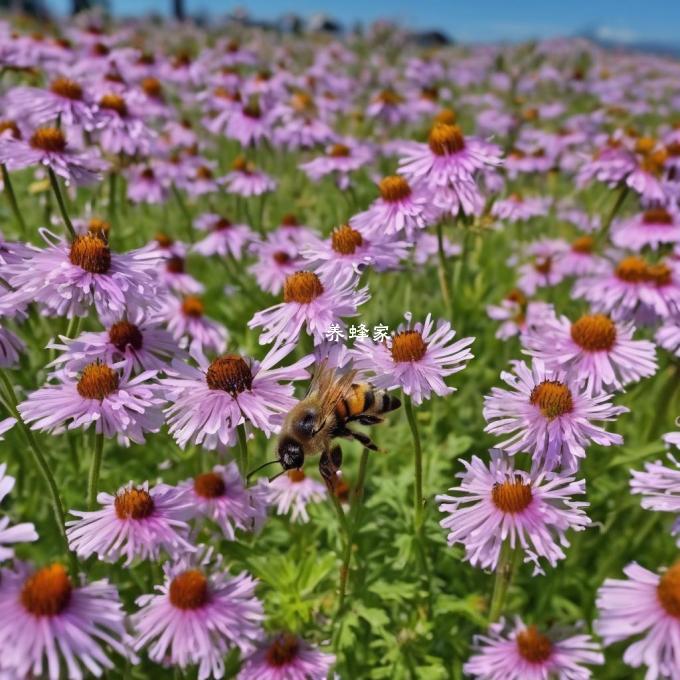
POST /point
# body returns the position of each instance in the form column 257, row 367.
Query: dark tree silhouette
column 80, row 6
column 178, row 9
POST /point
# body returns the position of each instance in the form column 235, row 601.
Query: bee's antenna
column 276, row 476
column 259, row 467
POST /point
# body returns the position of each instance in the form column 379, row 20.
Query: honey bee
column 333, row 401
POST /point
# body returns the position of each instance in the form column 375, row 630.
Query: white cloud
column 616, row 34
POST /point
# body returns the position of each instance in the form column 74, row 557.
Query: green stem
column 43, row 467
column 604, row 229
column 505, row 571
column 60, row 201
column 113, row 177
column 243, row 451
column 185, row 211
column 73, row 327
column 95, row 467
column 443, row 270
column 418, row 465
column 12, row 198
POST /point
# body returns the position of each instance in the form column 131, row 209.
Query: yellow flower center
column 67, row 88
column 97, row 381
column 114, row 102
column 511, row 496
column 668, row 591
column 583, row 244
column 123, row 334
column 209, row 485
column 192, row 306
column 91, row 253
column 446, row 139
column 48, row 139
column 394, row 188
column 47, row 592
column 533, row 646
column 133, row 504
column 408, row 346
column 553, row 398
column 346, row 240
column 189, row 590
column 302, row 287
column 230, row 373
column 594, row 332
column 296, row 476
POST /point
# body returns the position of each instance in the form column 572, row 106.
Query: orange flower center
column 583, row 244
column 511, row 496
column 192, row 306
column 290, row 220
column 48, row 139
column 67, row 88
column 302, row 287
column 553, row 398
column 47, row 592
column 91, row 253
column 446, row 139
column 339, row 151
column 114, row 102
column 657, row 216
column 408, row 346
column 281, row 257
column 175, row 265
column 163, row 239
column 152, row 88
column 346, row 240
column 644, row 145
column 594, row 332
column 543, row 265
column 632, row 269
column 533, row 646
column 123, row 334
column 12, row 127
column 668, row 591
column 296, row 476
column 394, row 188
column 189, row 590
column 221, row 224
column 209, row 485
column 230, row 373
column 241, row 164
column 133, row 504
column 517, row 296
column 282, row 650
column 389, row 97
column 97, row 381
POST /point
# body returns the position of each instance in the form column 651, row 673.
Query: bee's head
column 290, row 454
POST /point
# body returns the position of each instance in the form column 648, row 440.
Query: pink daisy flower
column 400, row 207
column 517, row 314
column 104, row 395
column 11, row 348
column 668, row 336
column 652, row 228
column 208, row 403
column 579, row 259
column 542, row 271
column 173, row 275
column 312, row 302
column 448, row 164
column 416, row 358
column 348, row 251
column 224, row 238
column 646, row 606
column 67, row 278
column 144, row 186
column 249, row 125
column 19, row 533
column 49, row 623
column 186, row 321
column 524, row 653
column 287, row 657
column 199, row 613
column 278, row 258
column 659, row 486
column 339, row 161
column 548, row 416
column 137, row 522
column 246, row 180
column 122, row 129
column 65, row 99
column 221, row 496
column 517, row 208
column 48, row 147
column 292, row 492
column 140, row 346
column 595, row 349
column 498, row 503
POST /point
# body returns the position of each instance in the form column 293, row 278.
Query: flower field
column 336, row 356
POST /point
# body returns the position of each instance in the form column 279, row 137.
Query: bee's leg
column 363, row 439
column 329, row 465
column 367, row 419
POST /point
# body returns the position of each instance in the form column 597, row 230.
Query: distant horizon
column 624, row 22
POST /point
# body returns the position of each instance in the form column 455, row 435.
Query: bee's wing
column 332, row 387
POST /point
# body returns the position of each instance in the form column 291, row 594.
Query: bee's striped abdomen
column 365, row 399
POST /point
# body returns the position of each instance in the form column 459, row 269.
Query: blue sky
column 467, row 20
